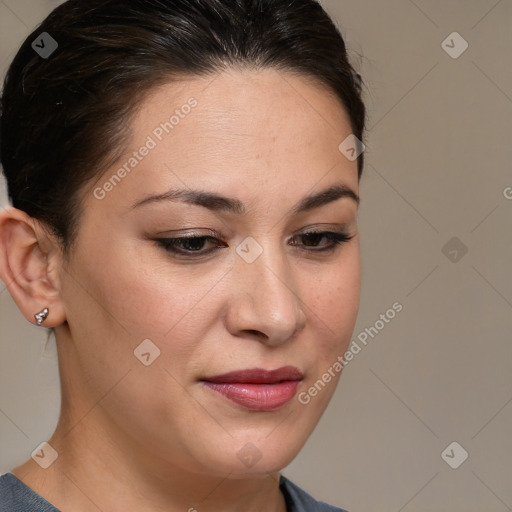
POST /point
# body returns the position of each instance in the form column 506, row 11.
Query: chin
column 257, row 458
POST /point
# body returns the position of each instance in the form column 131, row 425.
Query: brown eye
column 312, row 241
column 192, row 245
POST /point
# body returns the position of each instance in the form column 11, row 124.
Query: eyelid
column 324, row 228
column 336, row 237
column 191, row 233
column 208, row 232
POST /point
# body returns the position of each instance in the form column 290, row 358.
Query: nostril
column 256, row 333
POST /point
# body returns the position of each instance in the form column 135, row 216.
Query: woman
column 184, row 185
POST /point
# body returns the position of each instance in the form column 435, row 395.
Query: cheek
column 140, row 295
column 334, row 290
column 333, row 303
column 174, row 307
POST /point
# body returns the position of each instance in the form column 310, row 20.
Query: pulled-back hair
column 65, row 118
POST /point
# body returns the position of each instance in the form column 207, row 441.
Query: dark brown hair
column 65, row 117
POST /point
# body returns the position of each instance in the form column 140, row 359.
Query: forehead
column 239, row 109
column 236, row 130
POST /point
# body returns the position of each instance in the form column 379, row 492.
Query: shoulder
column 298, row 500
column 15, row 496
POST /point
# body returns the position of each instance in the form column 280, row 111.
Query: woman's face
column 251, row 165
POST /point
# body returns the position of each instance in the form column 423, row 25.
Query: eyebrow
column 218, row 202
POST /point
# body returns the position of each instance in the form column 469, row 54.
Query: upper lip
column 258, row 376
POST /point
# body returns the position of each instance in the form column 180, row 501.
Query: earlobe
column 41, row 316
column 25, row 266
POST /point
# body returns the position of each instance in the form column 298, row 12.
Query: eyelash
column 172, row 245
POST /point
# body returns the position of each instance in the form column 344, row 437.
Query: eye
column 190, row 245
column 197, row 246
column 312, row 240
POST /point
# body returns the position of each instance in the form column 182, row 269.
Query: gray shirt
column 15, row 496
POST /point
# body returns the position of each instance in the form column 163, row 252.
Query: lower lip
column 257, row 397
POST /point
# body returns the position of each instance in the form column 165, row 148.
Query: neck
column 119, row 476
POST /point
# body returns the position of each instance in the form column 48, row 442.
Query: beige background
column 438, row 166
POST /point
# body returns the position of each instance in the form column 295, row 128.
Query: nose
column 265, row 304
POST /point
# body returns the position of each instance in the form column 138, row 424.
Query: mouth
column 257, row 389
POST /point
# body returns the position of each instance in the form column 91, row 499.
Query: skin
column 134, row 437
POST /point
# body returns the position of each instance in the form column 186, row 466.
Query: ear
column 29, row 263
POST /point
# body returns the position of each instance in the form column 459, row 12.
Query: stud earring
column 41, row 317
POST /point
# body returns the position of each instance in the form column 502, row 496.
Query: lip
column 258, row 376
column 257, row 389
